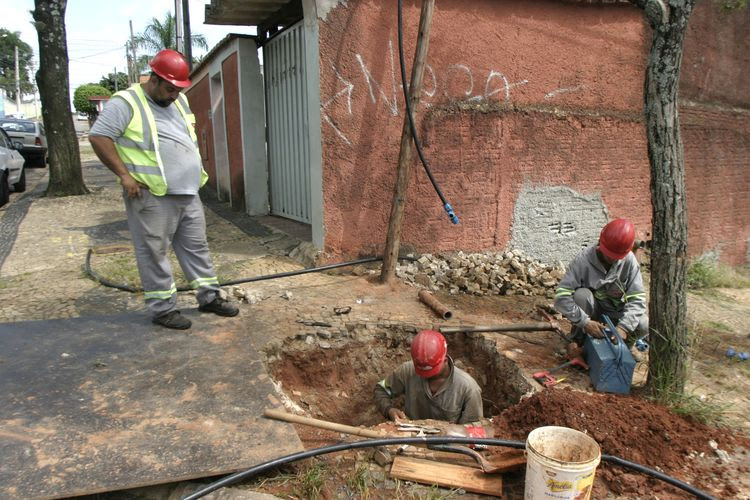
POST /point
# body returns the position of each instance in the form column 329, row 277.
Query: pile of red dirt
column 639, row 431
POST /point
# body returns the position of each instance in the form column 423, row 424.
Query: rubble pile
column 498, row 273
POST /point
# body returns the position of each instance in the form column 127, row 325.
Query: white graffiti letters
column 456, row 82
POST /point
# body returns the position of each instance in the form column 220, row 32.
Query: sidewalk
column 45, row 242
column 42, row 267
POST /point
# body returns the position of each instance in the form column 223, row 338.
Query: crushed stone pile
column 490, row 273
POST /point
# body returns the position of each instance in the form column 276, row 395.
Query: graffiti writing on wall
column 457, row 82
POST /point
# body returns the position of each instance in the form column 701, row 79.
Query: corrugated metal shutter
column 288, row 136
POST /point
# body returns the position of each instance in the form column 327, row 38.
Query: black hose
column 272, row 464
column 104, row 281
column 285, row 274
column 447, row 206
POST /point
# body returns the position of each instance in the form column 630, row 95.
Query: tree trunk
column 669, row 337
column 65, row 175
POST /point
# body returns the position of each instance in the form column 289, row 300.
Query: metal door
column 288, row 131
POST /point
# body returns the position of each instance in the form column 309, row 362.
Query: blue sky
column 97, row 31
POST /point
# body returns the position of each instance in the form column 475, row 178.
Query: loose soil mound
column 638, row 431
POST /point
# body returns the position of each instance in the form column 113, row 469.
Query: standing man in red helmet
column 604, row 279
column 433, row 387
column 146, row 136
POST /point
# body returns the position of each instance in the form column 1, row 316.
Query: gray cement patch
column 325, row 6
column 554, row 223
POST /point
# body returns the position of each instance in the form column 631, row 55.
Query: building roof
column 217, row 48
column 253, row 12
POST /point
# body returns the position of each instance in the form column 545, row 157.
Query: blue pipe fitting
column 449, row 209
column 641, row 345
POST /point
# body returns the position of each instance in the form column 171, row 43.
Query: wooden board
column 447, row 475
column 113, row 402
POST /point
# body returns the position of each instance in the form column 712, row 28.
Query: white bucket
column 560, row 463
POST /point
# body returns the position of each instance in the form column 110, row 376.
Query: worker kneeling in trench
column 433, row 387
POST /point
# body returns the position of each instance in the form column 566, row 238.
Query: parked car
column 31, row 134
column 12, row 173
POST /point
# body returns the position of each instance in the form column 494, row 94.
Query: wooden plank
column 447, row 475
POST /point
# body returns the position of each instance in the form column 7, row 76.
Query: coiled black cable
column 272, row 464
column 132, row 289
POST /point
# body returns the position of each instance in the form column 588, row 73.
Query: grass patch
column 704, row 273
column 715, row 325
column 312, row 480
column 703, row 410
column 360, row 481
column 121, row 269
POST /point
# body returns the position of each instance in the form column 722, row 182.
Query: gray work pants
column 155, row 222
column 584, row 298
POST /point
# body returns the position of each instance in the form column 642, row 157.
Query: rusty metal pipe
column 523, row 327
column 434, row 304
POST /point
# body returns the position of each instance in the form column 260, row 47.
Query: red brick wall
column 717, row 156
column 516, row 94
column 230, row 80
column 715, row 66
column 199, row 97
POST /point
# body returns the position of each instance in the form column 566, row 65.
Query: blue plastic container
column 610, row 365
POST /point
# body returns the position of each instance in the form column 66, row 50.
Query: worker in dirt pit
column 604, row 279
column 145, row 135
column 433, row 387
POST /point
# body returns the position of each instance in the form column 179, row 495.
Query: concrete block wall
column 531, row 116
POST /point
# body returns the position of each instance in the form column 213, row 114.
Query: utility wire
column 447, row 206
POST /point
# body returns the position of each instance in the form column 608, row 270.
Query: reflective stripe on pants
column 154, row 222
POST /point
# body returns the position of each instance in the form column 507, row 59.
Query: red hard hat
column 428, row 351
column 616, row 239
column 171, row 66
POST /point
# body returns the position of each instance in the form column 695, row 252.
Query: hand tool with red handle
column 545, row 377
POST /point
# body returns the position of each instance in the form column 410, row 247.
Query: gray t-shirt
column 182, row 165
column 459, row 400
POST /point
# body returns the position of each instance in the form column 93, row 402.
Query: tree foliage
column 8, row 41
column 108, row 81
column 162, row 34
column 82, row 94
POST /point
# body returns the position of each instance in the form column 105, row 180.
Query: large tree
column 9, row 40
column 669, row 337
column 65, row 175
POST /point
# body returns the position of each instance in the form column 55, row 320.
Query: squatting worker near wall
column 146, row 136
column 604, row 279
column 432, row 386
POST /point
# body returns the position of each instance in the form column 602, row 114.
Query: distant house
column 99, row 101
column 530, row 114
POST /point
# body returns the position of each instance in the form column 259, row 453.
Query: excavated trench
column 334, row 379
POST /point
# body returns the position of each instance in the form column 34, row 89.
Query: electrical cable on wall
column 447, row 206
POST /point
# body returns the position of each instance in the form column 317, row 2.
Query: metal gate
column 288, row 137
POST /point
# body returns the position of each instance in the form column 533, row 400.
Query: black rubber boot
column 174, row 320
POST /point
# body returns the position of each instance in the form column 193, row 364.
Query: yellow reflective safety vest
column 138, row 147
